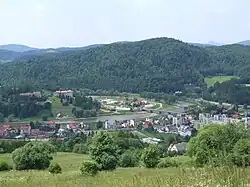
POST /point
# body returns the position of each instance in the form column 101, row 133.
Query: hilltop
column 154, row 65
column 16, row 47
column 14, row 52
column 247, row 43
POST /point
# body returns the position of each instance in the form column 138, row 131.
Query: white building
column 180, row 147
column 175, row 121
column 132, row 123
column 64, row 93
column 107, row 124
column 151, row 140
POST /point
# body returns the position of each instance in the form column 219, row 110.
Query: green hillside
column 154, row 65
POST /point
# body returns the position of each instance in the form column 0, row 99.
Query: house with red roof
column 64, row 93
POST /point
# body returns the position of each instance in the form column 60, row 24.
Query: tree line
column 13, row 104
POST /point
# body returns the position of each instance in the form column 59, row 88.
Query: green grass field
column 124, row 177
column 166, row 106
column 210, row 81
column 58, row 108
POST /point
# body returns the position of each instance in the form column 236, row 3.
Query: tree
column 104, row 151
column 1, row 117
column 34, row 155
column 150, row 156
column 99, row 125
column 214, row 144
column 32, row 125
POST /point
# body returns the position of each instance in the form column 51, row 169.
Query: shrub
column 89, row 168
column 128, row 159
column 55, row 168
column 167, row 162
column 242, row 152
column 108, row 162
column 34, row 155
column 80, row 148
column 4, row 166
column 151, row 156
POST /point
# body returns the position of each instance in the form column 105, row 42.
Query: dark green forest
column 235, row 91
column 14, row 104
column 154, row 65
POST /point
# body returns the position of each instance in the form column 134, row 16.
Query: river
column 113, row 118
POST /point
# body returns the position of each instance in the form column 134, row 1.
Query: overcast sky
column 53, row 23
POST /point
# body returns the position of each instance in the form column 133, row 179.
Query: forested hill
column 157, row 65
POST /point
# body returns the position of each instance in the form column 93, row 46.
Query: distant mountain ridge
column 12, row 52
column 21, row 52
column 16, row 48
column 246, row 42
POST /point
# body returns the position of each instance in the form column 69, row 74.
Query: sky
column 57, row 23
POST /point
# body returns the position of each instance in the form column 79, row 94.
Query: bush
column 89, row 168
column 34, row 155
column 128, row 159
column 167, row 162
column 4, row 166
column 80, row 149
column 108, row 162
column 151, row 156
column 241, row 155
column 55, row 168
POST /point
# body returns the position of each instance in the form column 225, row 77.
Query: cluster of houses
column 178, row 124
column 115, row 105
column 206, row 119
column 42, row 131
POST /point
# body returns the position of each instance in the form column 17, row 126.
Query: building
column 151, row 140
column 30, row 94
column 107, row 124
column 68, row 93
column 179, row 148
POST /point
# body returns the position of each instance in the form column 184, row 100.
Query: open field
column 136, row 177
column 210, row 81
column 58, row 108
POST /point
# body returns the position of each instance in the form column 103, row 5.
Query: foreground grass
column 129, row 177
column 136, row 177
column 210, row 81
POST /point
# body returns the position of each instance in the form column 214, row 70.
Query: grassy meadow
column 58, row 108
column 124, row 177
column 210, row 81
